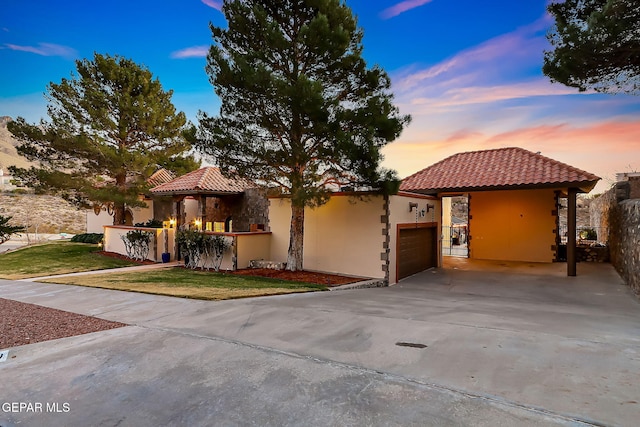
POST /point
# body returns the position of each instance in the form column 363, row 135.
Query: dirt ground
column 23, row 323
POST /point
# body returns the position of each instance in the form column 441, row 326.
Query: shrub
column 137, row 243
column 197, row 246
column 93, row 238
column 152, row 223
column 588, row 234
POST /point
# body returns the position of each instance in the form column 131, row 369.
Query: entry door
column 417, row 250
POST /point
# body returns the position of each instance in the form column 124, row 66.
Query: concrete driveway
column 480, row 345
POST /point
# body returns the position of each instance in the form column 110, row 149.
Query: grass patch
column 55, row 258
column 180, row 282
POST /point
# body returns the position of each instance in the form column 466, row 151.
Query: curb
column 373, row 283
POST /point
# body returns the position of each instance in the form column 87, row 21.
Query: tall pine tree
column 111, row 127
column 596, row 45
column 301, row 110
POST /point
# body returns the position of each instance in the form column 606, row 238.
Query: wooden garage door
column 416, row 250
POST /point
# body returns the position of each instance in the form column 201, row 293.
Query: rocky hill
column 8, row 154
column 43, row 214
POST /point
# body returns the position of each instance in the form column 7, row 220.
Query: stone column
column 571, row 231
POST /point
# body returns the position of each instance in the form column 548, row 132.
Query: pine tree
column 6, row 230
column 112, row 125
column 301, row 110
column 596, row 45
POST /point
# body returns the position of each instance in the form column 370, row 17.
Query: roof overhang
column 196, row 193
column 582, row 187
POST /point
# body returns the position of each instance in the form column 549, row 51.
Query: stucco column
column 571, row 232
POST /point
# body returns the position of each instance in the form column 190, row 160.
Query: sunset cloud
column 516, row 53
column 401, row 7
column 191, row 52
column 45, row 49
column 579, row 146
column 213, row 3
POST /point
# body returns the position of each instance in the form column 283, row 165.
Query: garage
column 417, row 249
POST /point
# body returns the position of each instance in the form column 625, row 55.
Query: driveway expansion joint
column 494, row 400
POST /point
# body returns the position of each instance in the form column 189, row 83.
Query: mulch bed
column 299, row 276
column 326, row 279
column 23, row 323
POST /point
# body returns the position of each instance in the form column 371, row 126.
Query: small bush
column 93, row 238
column 588, row 234
column 152, row 223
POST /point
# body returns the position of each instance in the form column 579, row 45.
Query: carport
column 513, row 201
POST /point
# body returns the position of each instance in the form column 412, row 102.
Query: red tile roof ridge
column 205, row 179
column 497, row 167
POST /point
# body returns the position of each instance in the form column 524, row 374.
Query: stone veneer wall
column 253, row 209
column 592, row 254
column 624, row 241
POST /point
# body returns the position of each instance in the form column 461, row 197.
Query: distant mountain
column 8, row 154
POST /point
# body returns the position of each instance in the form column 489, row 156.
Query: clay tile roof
column 207, row 180
column 503, row 168
column 160, row 177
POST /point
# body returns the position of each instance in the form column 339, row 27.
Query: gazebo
column 208, row 200
column 513, row 201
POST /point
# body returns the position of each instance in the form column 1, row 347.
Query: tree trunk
column 296, row 238
column 118, row 214
column 119, row 207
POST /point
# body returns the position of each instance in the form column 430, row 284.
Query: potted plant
column 166, row 255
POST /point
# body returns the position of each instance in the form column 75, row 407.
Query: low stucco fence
column 242, row 247
column 163, row 240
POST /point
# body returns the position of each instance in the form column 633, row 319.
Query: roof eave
column 195, row 193
column 582, row 186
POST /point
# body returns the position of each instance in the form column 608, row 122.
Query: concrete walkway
column 486, row 346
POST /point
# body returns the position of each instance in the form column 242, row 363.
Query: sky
column 468, row 72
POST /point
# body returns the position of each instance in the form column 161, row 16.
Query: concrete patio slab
column 500, row 345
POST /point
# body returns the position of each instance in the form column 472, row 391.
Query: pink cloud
column 464, row 135
column 213, row 3
column 619, row 136
column 191, row 52
column 498, row 60
column 489, row 94
column 603, row 148
column 45, row 49
column 401, row 7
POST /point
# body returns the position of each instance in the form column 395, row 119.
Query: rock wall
column 624, row 240
column 599, row 214
column 592, row 254
column 254, row 209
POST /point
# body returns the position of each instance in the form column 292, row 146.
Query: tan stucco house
column 363, row 234
column 513, row 201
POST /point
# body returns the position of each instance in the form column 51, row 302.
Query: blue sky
column 467, row 71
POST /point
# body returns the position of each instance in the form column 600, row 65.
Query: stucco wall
column 343, row 236
column 252, row 246
column 96, row 223
column 113, row 240
column 513, row 225
column 348, row 235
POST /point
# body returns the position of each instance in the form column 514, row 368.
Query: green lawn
column 66, row 257
column 55, row 258
column 187, row 283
